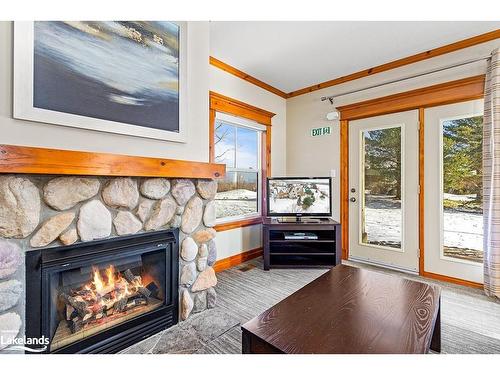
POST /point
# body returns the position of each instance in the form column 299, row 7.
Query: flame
column 98, row 281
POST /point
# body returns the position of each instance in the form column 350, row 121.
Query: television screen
column 299, row 196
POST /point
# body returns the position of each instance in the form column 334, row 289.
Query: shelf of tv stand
column 301, row 253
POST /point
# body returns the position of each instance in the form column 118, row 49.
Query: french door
column 453, row 220
column 384, row 190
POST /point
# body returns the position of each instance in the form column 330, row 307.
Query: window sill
column 238, row 224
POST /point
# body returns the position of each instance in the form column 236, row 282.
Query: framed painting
column 119, row 77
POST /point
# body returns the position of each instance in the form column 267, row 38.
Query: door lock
column 353, row 199
column 353, row 190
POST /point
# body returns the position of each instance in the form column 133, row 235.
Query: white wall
column 317, row 156
column 26, row 133
column 238, row 240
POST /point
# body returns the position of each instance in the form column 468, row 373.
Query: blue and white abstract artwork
column 126, row 72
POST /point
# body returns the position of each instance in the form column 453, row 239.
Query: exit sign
column 319, row 132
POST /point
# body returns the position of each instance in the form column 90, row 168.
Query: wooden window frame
column 441, row 94
column 230, row 106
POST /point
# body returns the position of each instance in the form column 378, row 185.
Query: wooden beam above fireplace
column 32, row 160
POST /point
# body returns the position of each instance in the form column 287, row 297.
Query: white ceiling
column 292, row 55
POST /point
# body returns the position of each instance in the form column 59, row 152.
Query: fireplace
column 103, row 296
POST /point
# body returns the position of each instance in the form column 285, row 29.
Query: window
column 462, row 142
column 237, row 144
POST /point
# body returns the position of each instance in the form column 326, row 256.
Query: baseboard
column 450, row 279
column 234, row 260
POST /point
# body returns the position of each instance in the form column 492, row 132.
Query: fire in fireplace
column 93, row 293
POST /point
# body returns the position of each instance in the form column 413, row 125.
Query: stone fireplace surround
column 39, row 211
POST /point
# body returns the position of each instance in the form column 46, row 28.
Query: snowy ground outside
column 462, row 230
column 235, row 203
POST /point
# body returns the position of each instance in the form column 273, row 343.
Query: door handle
column 353, row 199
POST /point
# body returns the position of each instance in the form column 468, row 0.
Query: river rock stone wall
column 47, row 211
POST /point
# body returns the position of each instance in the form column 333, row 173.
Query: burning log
column 144, row 291
column 129, row 276
column 79, row 306
column 104, row 296
column 75, row 326
column 120, row 305
column 153, row 289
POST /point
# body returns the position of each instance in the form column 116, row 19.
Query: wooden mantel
column 32, row 160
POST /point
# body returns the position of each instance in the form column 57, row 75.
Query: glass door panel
column 381, row 211
column 462, row 142
column 453, row 222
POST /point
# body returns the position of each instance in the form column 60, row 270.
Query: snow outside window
column 237, row 145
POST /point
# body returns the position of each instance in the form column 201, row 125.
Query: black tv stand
column 280, row 252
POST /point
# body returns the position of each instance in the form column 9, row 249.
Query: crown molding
column 465, row 43
column 247, row 77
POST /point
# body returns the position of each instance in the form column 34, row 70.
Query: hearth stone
column 19, row 207
column 201, row 264
column 191, row 218
column 182, row 190
column 176, row 221
column 200, row 301
column 94, row 221
column 10, row 258
column 203, row 251
column 186, row 304
column 209, row 214
column 63, row 193
column 69, row 237
column 163, row 211
column 51, row 229
column 207, row 188
column 212, row 253
column 188, row 274
column 10, row 292
column 144, row 209
column 121, row 192
column 211, row 298
column 189, row 249
column 205, row 280
column 10, row 324
column 126, row 223
column 155, row 188
column 205, row 235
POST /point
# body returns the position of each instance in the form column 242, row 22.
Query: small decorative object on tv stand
column 281, row 251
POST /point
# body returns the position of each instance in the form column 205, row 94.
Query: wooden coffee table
column 350, row 310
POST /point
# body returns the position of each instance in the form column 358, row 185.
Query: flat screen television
column 299, row 196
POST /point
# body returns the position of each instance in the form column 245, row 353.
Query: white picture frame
column 23, row 93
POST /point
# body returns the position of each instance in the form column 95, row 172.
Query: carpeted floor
column 470, row 320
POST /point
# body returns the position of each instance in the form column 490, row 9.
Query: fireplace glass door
column 87, row 297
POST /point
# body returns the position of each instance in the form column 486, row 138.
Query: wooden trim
column 20, row 159
column 211, row 135
column 238, row 224
column 232, row 261
column 421, row 201
column 344, row 186
column 444, row 93
column 247, row 77
column 466, row 43
column 453, row 280
column 221, row 103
